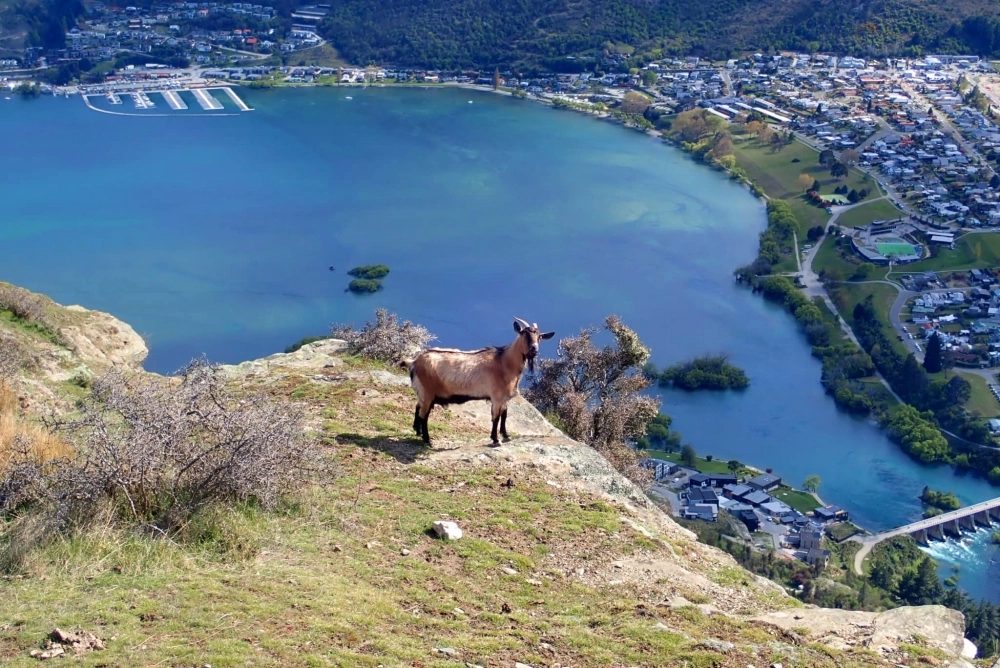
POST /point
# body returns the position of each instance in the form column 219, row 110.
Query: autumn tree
column 765, row 134
column 753, row 127
column 496, row 79
column 721, row 147
column 849, row 157
column 596, row 394
column 806, row 181
column 811, row 483
column 635, row 102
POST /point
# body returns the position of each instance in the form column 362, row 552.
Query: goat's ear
column 547, row 336
column 517, row 327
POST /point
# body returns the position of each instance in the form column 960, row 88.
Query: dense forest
column 564, row 35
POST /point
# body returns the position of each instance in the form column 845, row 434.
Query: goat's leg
column 417, row 422
column 423, row 420
column 503, row 424
column 496, row 420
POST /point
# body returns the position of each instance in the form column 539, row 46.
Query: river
column 215, row 236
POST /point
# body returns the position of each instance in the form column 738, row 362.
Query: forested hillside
column 542, row 33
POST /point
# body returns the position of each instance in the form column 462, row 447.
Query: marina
column 174, row 100
column 172, row 96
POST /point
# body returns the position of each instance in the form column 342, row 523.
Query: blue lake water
column 214, row 236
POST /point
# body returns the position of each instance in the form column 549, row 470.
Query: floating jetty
column 142, row 101
column 114, row 99
column 207, row 102
column 235, row 98
column 173, row 100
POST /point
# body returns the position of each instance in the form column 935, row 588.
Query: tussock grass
column 16, row 432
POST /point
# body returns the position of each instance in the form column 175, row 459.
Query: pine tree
column 932, row 358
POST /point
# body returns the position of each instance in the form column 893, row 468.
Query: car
column 676, row 480
column 900, row 337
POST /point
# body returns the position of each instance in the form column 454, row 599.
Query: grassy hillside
column 485, row 33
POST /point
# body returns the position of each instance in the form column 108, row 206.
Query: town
column 749, row 506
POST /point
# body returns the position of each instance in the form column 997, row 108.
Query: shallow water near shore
column 215, row 236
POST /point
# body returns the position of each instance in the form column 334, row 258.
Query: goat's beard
column 531, row 364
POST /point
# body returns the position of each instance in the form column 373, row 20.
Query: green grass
column 837, row 335
column 701, row 464
column 848, row 295
column 839, row 263
column 881, row 209
column 973, row 251
column 803, row 502
column 981, row 402
column 842, row 531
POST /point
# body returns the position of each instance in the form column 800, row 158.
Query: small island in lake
column 711, row 372
column 367, row 278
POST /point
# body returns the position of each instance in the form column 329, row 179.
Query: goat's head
column 530, row 338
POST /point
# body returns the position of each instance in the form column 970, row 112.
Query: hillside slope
column 460, row 33
column 563, row 561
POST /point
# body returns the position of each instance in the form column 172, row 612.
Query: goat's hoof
column 495, row 444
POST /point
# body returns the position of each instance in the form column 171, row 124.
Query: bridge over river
column 937, row 527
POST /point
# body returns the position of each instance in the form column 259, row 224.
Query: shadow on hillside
column 404, row 450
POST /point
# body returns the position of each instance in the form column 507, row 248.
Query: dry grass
column 15, row 430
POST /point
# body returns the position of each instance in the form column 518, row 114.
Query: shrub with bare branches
column 386, row 339
column 13, row 355
column 29, row 307
column 158, row 451
column 596, row 394
column 22, row 303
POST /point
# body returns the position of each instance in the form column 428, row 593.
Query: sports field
column 897, row 248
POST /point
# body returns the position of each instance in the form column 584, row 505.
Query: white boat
column 348, row 98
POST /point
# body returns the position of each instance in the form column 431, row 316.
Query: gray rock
column 447, row 530
column 447, row 651
column 720, row 646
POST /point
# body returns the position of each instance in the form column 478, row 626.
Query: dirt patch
column 62, row 642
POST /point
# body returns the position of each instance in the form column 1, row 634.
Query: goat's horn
column 524, row 323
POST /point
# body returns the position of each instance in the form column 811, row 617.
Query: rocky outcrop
column 932, row 626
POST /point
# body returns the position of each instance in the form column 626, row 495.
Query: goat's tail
column 405, row 364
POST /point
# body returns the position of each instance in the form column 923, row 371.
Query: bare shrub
column 22, row 303
column 385, row 339
column 596, row 394
column 159, row 451
column 13, row 356
column 22, row 440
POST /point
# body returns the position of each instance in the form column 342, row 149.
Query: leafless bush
column 13, row 355
column 385, row 339
column 596, row 394
column 22, row 303
column 159, row 451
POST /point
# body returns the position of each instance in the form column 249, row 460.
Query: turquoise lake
column 214, row 236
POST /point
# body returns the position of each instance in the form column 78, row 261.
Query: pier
column 939, row 527
column 114, row 99
column 174, row 100
column 207, row 102
column 236, row 100
column 142, row 101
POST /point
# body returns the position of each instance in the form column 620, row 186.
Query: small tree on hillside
column 596, row 393
column 826, row 158
column 838, row 170
column 496, row 79
column 806, row 181
column 734, row 466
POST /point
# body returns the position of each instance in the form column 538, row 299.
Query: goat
column 446, row 376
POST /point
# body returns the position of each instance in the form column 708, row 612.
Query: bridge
column 938, row 527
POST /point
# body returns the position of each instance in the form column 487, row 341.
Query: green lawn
column 701, row 464
column 832, row 259
column 778, row 174
column 982, row 401
column 803, row 502
column 837, row 336
column 973, row 251
column 848, row 295
column 842, row 531
column 881, row 209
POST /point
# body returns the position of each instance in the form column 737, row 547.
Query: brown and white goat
column 445, row 376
